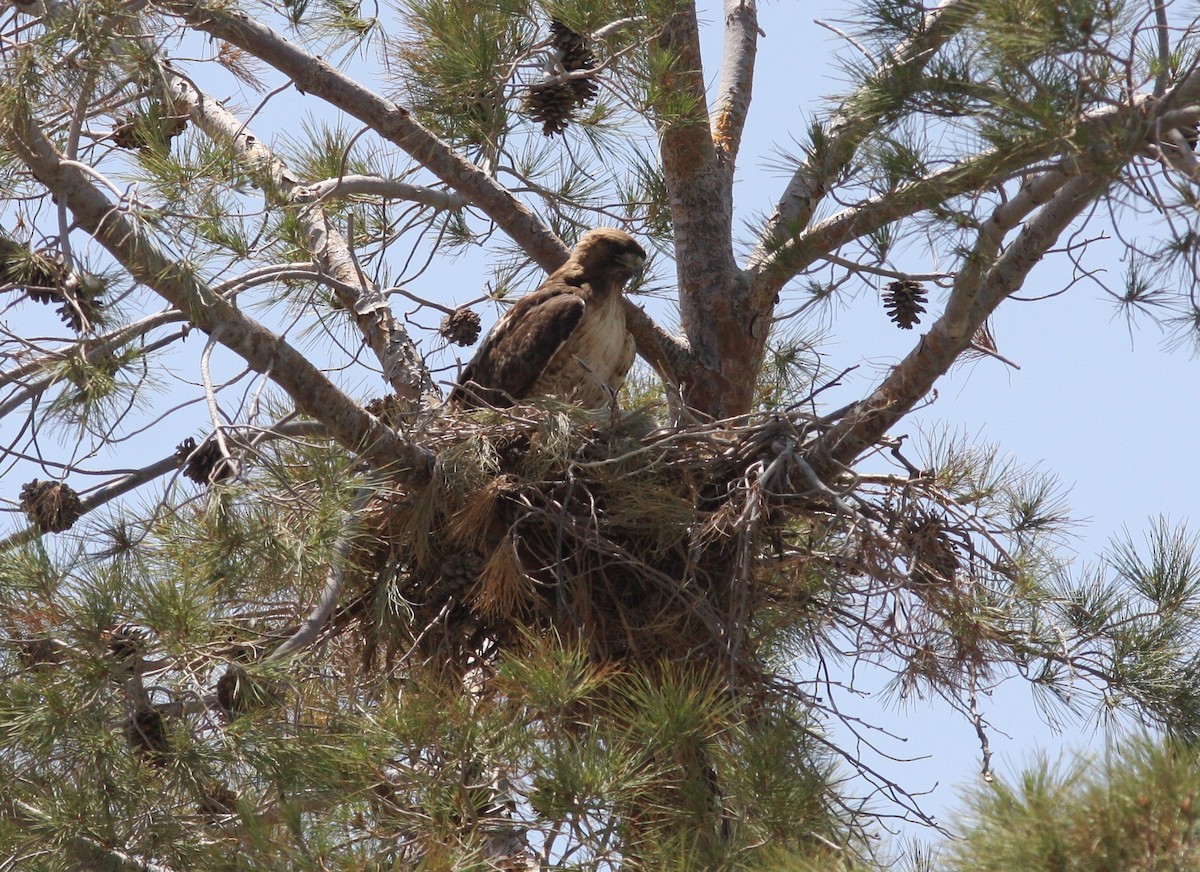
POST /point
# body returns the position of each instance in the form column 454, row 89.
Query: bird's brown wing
column 519, row 347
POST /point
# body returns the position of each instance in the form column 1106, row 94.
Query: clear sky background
column 1110, row 412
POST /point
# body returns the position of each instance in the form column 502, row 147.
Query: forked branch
column 127, row 240
column 971, row 304
column 315, row 76
column 393, row 347
column 853, row 124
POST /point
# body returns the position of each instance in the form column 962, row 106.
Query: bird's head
column 610, row 251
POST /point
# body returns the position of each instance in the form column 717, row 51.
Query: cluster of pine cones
column 47, row 279
column 552, row 101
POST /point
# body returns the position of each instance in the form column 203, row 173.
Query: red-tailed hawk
column 567, row 339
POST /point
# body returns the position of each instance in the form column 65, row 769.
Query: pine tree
column 1132, row 808
column 328, row 624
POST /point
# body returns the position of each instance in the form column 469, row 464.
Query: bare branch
column 312, row 75
column 885, row 273
column 811, row 182
column 281, row 429
column 101, row 496
column 962, row 317
column 818, row 241
column 97, row 347
column 737, row 78
column 124, row 237
column 388, row 189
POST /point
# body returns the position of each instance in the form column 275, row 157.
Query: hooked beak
column 635, row 263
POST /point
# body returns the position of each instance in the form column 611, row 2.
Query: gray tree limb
column 402, row 365
column 116, row 228
column 852, row 124
column 388, row 189
column 737, row 80
column 312, row 75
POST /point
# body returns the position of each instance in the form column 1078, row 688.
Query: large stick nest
column 649, row 545
column 637, row 541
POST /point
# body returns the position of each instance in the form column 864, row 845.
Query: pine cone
column 81, row 306
column 460, row 327
column 576, row 55
column 133, row 131
column 550, row 104
column 172, row 126
column 903, row 301
column 218, row 800
column 931, row 557
column 461, row 570
column 238, row 692
column 206, row 465
column 41, row 274
column 45, row 274
column 37, row 655
column 127, row 133
column 387, row 409
column 46, row 278
column 585, row 90
column 126, row 642
column 231, row 691
column 51, row 505
column 147, row 735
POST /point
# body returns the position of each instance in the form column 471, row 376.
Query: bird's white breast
column 591, row 365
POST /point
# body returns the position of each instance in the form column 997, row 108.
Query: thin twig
column 311, row 627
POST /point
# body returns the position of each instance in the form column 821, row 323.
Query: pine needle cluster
column 1133, row 808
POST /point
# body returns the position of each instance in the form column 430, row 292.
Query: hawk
column 567, row 339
